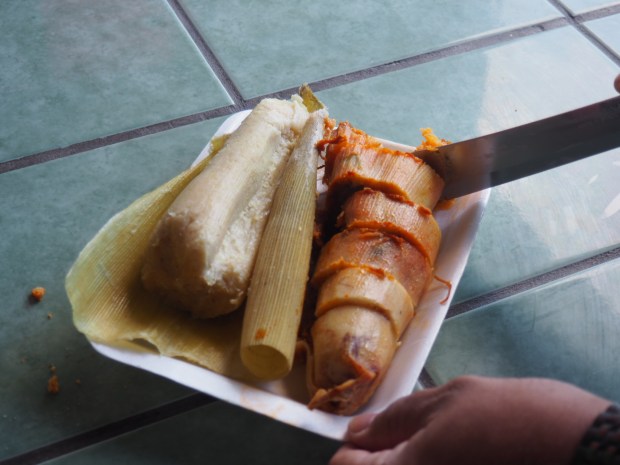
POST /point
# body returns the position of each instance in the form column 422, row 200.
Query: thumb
column 396, row 424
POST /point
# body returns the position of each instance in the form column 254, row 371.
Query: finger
column 348, row 455
column 361, row 422
column 617, row 83
column 397, row 423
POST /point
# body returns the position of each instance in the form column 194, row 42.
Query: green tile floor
column 275, row 44
column 606, row 29
column 93, row 71
column 584, row 6
column 103, row 101
column 568, row 328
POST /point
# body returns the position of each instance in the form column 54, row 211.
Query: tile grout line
column 597, row 14
column 424, row 57
column 195, row 401
column 207, row 53
column 109, row 431
column 427, row 381
column 240, row 103
column 85, row 146
column 577, row 21
column 534, row 282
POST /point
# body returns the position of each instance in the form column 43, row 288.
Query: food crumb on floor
column 37, row 293
column 53, row 383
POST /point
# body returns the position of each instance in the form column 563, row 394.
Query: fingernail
column 361, row 422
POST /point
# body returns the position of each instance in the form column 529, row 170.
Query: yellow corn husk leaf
column 310, row 101
column 275, row 298
column 111, row 306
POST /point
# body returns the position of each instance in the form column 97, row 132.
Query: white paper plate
column 284, row 400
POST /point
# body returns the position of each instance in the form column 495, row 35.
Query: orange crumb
column 37, row 293
column 431, row 141
column 260, row 334
column 53, row 385
column 78, row 381
column 445, row 204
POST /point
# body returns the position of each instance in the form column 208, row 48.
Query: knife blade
column 494, row 159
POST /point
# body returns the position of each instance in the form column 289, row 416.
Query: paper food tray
column 285, row 400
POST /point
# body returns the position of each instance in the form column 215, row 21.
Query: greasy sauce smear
column 260, row 334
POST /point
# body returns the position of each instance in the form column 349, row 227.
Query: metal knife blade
column 505, row 156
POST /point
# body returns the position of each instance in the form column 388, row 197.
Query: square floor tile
column 216, row 434
column 479, row 92
column 543, row 222
column 566, row 330
column 73, row 71
column 608, row 30
column 280, row 44
column 48, row 213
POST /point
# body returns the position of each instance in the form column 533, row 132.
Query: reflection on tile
column 280, row 44
column 567, row 330
column 216, row 434
column 48, row 213
column 543, row 222
column 571, row 209
column 71, row 73
column 506, row 85
column 581, row 6
column 608, row 30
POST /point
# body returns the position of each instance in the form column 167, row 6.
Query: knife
column 514, row 153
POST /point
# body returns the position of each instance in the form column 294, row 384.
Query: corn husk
column 111, row 306
column 378, row 252
column 276, row 295
column 356, row 159
column 363, row 288
column 310, row 101
column 372, row 209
